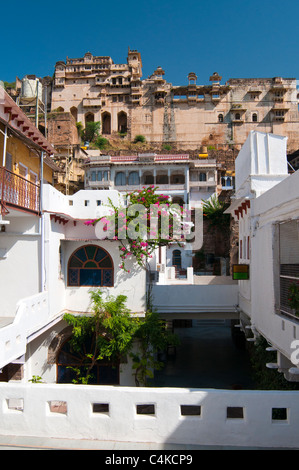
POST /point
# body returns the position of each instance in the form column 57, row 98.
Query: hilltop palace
column 191, row 115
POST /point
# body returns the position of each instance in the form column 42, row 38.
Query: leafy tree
column 110, row 333
column 91, row 131
column 152, row 337
column 107, row 333
column 8, row 85
column 213, row 210
column 101, row 142
column 79, row 126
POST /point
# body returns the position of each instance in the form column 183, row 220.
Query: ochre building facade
column 189, row 116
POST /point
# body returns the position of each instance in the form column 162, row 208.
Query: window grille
column 289, row 264
column 90, row 265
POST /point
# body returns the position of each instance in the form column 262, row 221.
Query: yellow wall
column 22, row 154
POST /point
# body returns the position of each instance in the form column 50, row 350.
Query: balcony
column 202, row 184
column 91, row 102
column 161, row 187
column 18, row 192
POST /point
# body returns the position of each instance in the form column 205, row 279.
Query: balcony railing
column 18, row 191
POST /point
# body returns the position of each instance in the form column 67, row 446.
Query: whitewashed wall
column 20, row 262
column 53, row 411
column 277, row 205
column 197, row 299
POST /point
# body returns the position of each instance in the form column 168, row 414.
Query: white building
column 185, row 180
column 44, row 255
column 266, row 207
column 68, row 246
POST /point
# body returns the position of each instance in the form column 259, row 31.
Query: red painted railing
column 18, row 191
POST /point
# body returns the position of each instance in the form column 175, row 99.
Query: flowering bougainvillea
column 157, row 223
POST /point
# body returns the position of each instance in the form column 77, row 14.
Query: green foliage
column 110, row 327
column 167, row 147
column 79, row 126
column 91, row 131
column 267, row 379
column 8, row 85
column 36, row 379
column 293, row 298
column 123, row 220
column 101, row 142
column 213, row 210
column 152, row 337
column 109, row 333
column 139, row 138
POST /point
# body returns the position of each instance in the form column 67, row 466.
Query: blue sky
column 237, row 39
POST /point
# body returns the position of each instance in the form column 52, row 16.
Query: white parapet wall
column 32, row 314
column 197, row 299
column 268, row 419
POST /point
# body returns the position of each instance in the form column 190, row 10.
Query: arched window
column 220, row 117
column 122, row 122
column 134, row 177
column 106, row 123
column 90, row 265
column 89, row 117
column 177, row 259
column 74, row 112
column 254, row 117
column 238, row 116
column 67, row 360
column 120, row 179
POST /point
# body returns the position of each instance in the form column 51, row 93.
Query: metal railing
column 18, row 191
column 289, row 275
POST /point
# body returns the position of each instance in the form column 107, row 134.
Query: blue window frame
column 90, row 265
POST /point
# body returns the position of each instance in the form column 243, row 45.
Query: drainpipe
column 4, row 148
column 42, row 225
column 37, row 105
column 45, row 110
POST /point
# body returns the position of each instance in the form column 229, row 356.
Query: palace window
column 134, row 178
column 120, row 179
column 90, row 265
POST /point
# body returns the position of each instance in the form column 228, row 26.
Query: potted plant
column 293, row 298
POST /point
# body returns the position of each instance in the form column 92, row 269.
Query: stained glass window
column 90, row 265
